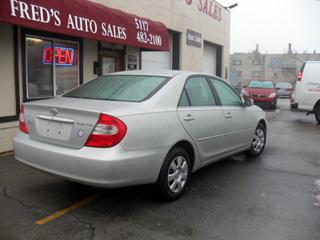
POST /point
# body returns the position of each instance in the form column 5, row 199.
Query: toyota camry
column 139, row 127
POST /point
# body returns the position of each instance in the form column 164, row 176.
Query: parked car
column 307, row 92
column 284, row 90
column 139, row 127
column 263, row 93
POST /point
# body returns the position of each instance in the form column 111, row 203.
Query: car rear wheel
column 174, row 175
column 258, row 142
column 317, row 113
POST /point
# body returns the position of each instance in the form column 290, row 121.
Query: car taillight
column 22, row 121
column 299, row 76
column 108, row 132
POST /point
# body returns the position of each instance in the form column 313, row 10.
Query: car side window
column 227, row 95
column 199, row 92
column 184, row 101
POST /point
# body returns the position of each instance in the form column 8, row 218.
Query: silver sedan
column 139, row 127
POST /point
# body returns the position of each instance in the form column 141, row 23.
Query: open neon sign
column 62, row 56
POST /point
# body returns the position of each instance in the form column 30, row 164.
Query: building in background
column 277, row 67
column 49, row 47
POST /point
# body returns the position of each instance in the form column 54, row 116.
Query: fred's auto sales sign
column 86, row 19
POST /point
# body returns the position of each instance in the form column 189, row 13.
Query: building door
column 153, row 60
column 163, row 60
column 111, row 61
column 209, row 59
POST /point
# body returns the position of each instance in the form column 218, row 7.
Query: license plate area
column 54, row 129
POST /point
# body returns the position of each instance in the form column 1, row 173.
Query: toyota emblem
column 53, row 111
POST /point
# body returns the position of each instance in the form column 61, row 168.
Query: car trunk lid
column 66, row 121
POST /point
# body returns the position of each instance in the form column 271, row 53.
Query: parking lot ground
column 269, row 197
column 283, row 104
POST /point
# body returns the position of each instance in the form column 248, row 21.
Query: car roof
column 261, row 80
column 312, row 61
column 284, row 83
column 164, row 73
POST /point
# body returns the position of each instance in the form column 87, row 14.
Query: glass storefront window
column 39, row 75
column 52, row 67
column 66, row 72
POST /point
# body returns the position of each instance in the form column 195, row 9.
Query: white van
column 306, row 95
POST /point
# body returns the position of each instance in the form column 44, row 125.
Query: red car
column 263, row 93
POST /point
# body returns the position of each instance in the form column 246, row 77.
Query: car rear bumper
column 284, row 94
column 101, row 167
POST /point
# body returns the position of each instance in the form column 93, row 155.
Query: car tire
column 259, row 141
column 317, row 113
column 174, row 175
column 293, row 106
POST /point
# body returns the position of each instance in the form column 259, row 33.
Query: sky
column 273, row 24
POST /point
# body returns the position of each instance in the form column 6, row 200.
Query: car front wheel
column 259, row 141
column 174, row 175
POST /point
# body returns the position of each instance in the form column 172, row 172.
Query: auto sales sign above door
column 85, row 19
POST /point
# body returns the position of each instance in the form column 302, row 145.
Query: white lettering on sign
column 82, row 24
column 114, row 31
column 194, row 38
column 141, row 24
column 143, row 34
column 51, row 17
column 34, row 12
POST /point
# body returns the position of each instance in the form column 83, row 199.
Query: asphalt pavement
column 269, row 197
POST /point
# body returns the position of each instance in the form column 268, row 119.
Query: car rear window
column 129, row 88
column 283, row 85
column 261, row 84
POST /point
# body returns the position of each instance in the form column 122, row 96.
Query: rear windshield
column 119, row 88
column 283, row 85
column 261, row 84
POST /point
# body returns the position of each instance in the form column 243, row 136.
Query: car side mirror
column 248, row 102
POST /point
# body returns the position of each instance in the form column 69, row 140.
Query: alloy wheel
column 177, row 174
column 258, row 140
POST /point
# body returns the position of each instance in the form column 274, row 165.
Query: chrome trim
column 55, row 119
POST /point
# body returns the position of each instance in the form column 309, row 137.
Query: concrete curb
column 274, row 115
column 6, row 154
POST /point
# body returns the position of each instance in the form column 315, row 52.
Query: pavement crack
column 89, row 225
column 7, row 195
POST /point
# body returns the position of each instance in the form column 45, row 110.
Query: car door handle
column 188, row 118
column 228, row 115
